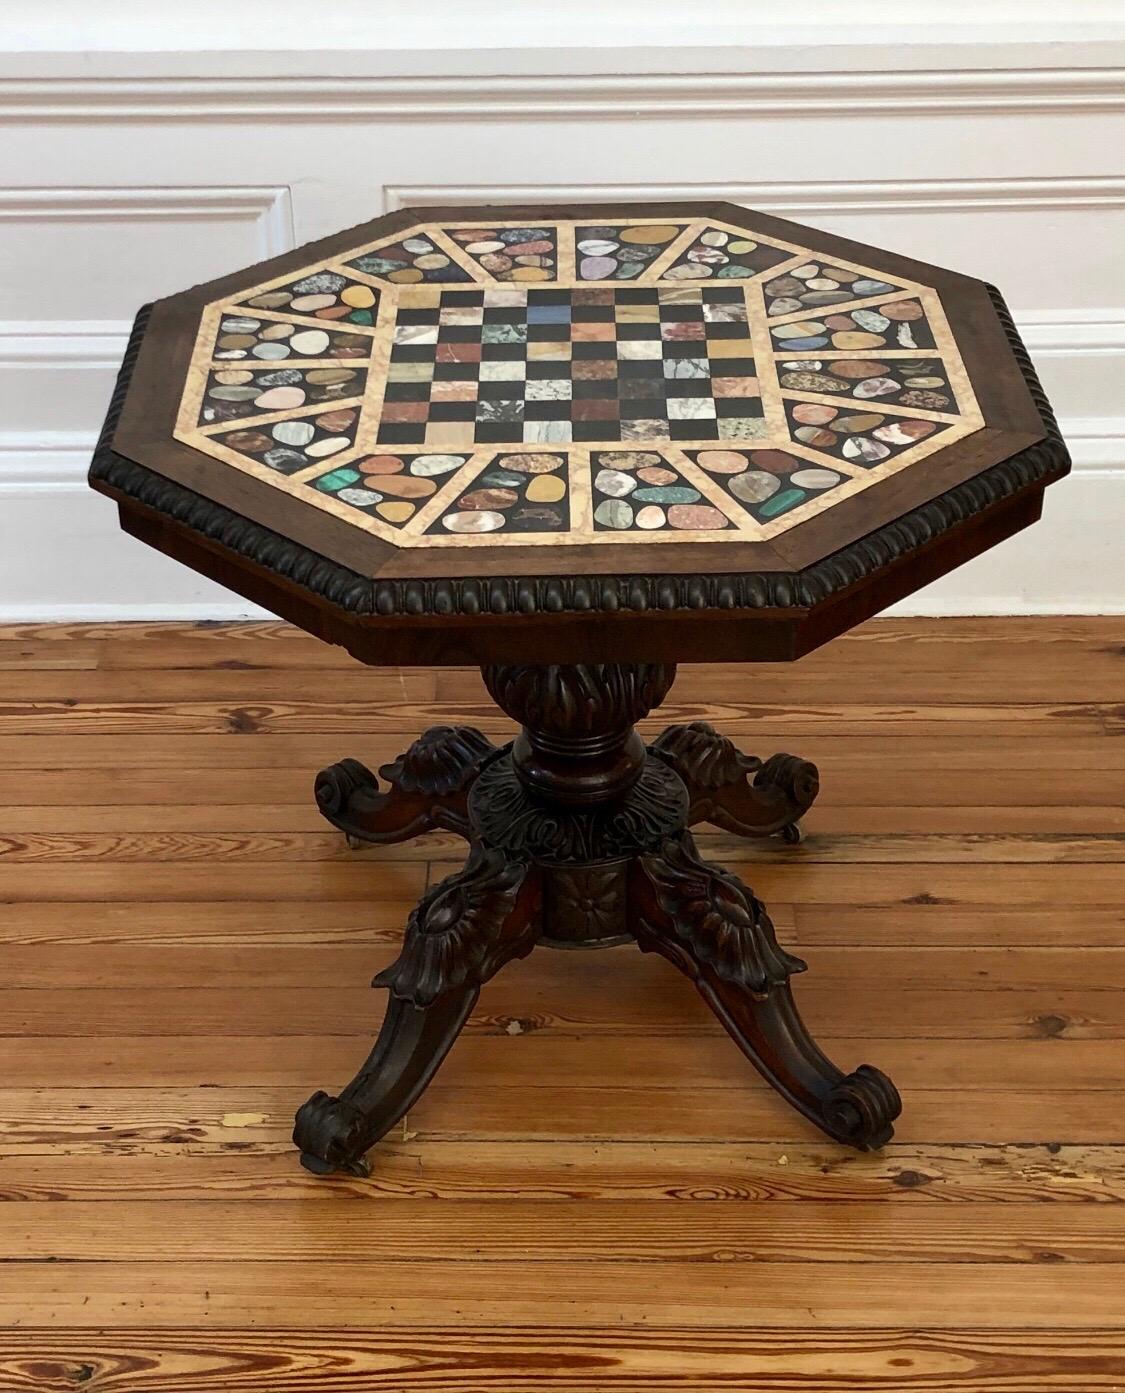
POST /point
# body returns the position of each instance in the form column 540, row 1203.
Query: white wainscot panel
column 98, row 253
column 86, row 260
column 75, row 562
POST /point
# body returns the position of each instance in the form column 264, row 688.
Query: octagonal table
column 575, row 446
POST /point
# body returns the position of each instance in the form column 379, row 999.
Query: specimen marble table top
column 682, row 389
column 480, row 386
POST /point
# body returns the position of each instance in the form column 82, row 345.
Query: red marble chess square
column 595, row 409
column 591, row 369
column 397, row 411
column 458, row 353
column 593, row 332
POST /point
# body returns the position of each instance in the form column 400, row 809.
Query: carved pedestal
column 578, row 837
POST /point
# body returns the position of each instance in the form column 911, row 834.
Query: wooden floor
column 598, row 1195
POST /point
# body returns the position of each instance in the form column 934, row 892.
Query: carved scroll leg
column 738, row 792
column 428, row 788
column 463, row 932
column 334, row 1133
column 714, row 930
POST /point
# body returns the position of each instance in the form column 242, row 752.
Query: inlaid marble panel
column 523, row 383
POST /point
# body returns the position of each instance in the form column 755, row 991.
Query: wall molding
column 786, row 199
column 546, row 96
column 268, row 207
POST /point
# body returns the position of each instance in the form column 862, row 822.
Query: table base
column 578, row 838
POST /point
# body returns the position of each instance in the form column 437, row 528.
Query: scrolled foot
column 336, row 786
column 428, row 788
column 329, row 1134
column 862, row 1107
column 794, row 781
column 735, row 791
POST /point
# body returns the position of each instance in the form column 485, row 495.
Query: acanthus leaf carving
column 723, row 925
column 466, row 928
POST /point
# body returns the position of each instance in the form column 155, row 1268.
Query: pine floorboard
column 597, row 1195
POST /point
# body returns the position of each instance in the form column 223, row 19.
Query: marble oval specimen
column 484, row 500
column 722, row 461
column 629, row 459
column 395, row 511
column 330, row 445
column 472, row 521
column 699, row 517
column 308, row 304
column 359, row 498
column 928, row 401
column 360, row 297
column 905, row 432
column 328, row 377
column 615, row 513
column 812, row 414
column 814, row 478
column 614, row 482
column 812, row 382
column 284, row 459
column 280, row 398
column 780, row 502
column 863, row 450
column 858, row 423
column 309, row 343
column 237, row 394
column 755, row 486
column 546, row 488
column 873, row 387
column 297, row 433
column 815, row 436
column 774, row 461
column 426, row 466
column 596, row 268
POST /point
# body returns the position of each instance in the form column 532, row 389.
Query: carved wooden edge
column 1046, row 459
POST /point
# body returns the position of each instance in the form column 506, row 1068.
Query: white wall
column 135, row 162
